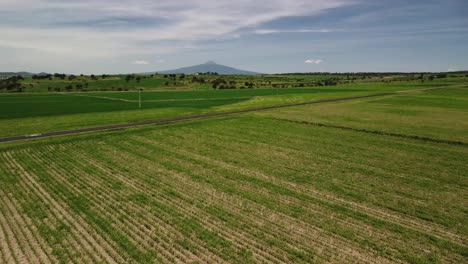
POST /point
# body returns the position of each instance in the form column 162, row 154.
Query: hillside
column 209, row 66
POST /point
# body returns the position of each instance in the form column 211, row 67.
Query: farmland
column 331, row 131
column 438, row 114
column 31, row 113
column 53, row 111
column 176, row 82
column 356, row 181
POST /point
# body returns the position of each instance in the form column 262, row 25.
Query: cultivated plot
column 436, row 114
column 23, row 114
column 244, row 189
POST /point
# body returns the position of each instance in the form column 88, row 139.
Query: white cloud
column 112, row 28
column 141, row 62
column 313, row 61
column 451, row 69
column 275, row 31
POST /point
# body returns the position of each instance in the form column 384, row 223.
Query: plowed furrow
column 79, row 230
column 377, row 212
column 321, row 234
column 182, row 207
column 11, row 244
column 34, row 250
column 104, row 203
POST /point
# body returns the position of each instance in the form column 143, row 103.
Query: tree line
column 12, row 84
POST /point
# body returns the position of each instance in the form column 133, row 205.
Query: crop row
column 233, row 190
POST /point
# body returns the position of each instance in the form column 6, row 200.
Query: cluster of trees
column 42, row 76
column 207, row 73
column 440, row 75
column 249, row 84
column 63, row 76
column 218, row 83
column 82, row 87
column 330, row 82
column 171, row 76
column 327, row 82
column 11, row 84
column 60, row 75
column 133, row 77
column 222, row 84
column 79, row 86
column 282, row 85
column 196, row 79
column 71, row 77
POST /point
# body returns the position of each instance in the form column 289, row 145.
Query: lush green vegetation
column 31, row 113
column 376, row 180
column 86, row 83
column 438, row 114
column 38, row 113
column 250, row 188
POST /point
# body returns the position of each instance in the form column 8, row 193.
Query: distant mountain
column 10, row 74
column 209, row 66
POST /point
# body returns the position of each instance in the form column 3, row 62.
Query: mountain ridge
column 209, row 66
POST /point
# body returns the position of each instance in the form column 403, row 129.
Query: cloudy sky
column 121, row 36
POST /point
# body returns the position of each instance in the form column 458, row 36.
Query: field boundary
column 101, row 97
column 375, row 132
column 197, row 99
column 162, row 100
column 209, row 115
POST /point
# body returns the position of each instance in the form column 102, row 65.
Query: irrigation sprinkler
column 139, row 97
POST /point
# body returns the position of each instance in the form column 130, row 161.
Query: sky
column 268, row 36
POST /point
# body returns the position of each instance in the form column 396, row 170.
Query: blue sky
column 271, row 36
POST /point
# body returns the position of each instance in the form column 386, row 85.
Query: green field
column 165, row 82
column 439, row 114
column 22, row 114
column 32, row 113
column 377, row 180
column 302, row 184
column 82, row 83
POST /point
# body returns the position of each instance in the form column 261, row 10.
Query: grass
column 159, row 82
column 35, row 105
column 38, row 113
column 262, row 187
column 32, row 113
column 377, row 180
column 437, row 114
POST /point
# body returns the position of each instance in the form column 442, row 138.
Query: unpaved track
column 204, row 116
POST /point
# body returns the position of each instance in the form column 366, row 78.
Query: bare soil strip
column 12, row 244
column 33, row 250
column 204, row 116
